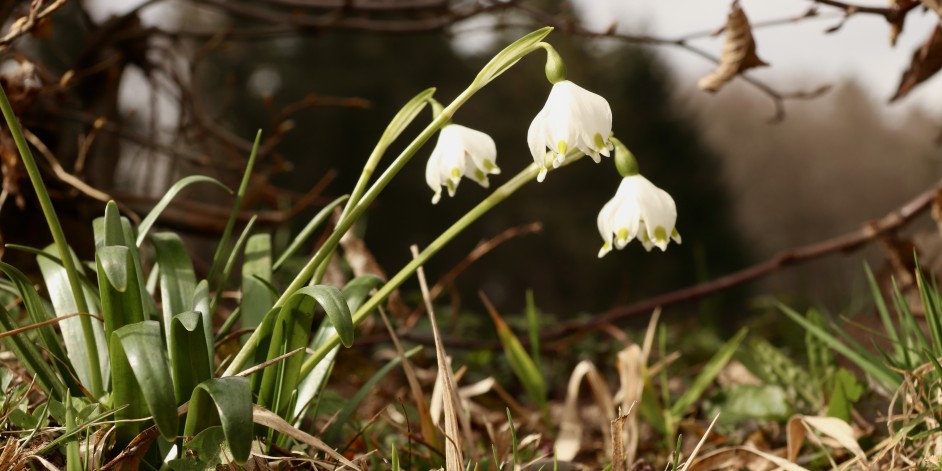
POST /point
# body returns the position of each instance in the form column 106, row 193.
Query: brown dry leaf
column 896, row 25
column 840, row 433
column 618, row 444
column 631, row 376
column 934, row 5
column 734, row 458
column 926, row 61
column 739, row 51
column 569, row 439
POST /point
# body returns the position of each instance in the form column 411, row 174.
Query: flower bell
column 572, row 118
column 638, row 210
column 459, row 152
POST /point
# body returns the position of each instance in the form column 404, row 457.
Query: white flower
column 573, row 118
column 639, row 209
column 460, row 151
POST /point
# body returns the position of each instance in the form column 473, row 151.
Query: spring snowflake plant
column 126, row 358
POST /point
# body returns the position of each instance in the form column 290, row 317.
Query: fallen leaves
column 739, row 51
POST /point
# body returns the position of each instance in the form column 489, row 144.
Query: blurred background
column 133, row 95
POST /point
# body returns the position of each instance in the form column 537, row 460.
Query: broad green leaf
column 510, row 55
column 342, row 419
column 291, row 331
column 189, row 352
column 257, row 299
column 355, row 293
column 877, row 371
column 226, row 401
column 177, row 280
column 36, row 308
column 202, row 452
column 29, row 356
column 137, row 350
column 171, row 193
column 709, row 372
column 121, row 302
column 201, row 305
column 309, row 229
column 520, row 362
column 73, row 331
column 748, row 402
column 114, row 233
column 845, row 393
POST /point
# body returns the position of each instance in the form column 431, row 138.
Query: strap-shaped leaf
column 232, row 399
column 190, row 353
column 137, row 351
column 309, row 229
column 28, row 355
column 355, row 293
column 36, row 309
column 257, row 299
column 171, row 193
column 73, row 334
column 201, row 305
column 119, row 286
column 177, row 280
column 292, row 331
column 404, row 118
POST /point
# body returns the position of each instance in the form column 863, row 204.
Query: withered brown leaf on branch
column 739, row 51
column 927, row 60
column 934, row 5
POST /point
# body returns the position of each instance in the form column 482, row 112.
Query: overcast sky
column 802, row 55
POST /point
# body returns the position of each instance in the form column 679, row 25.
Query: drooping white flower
column 639, row 209
column 572, row 118
column 460, row 151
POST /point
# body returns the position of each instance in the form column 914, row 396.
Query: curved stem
column 500, row 194
column 58, row 236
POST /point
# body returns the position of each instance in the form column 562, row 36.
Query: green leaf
column 510, row 55
column 201, row 305
column 309, row 229
column 36, row 309
column 139, row 350
column 171, row 193
column 29, row 356
column 73, row 458
column 707, row 375
column 257, row 299
column 190, row 355
column 236, row 206
column 342, row 418
column 177, row 280
column 520, row 362
column 879, row 372
column 77, row 344
column 230, row 263
column 232, row 398
column 121, row 302
column 403, row 118
column 749, row 402
column 355, row 293
column 846, row 392
column 204, row 451
column 292, row 331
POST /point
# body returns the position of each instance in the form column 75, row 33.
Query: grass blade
column 309, row 229
column 236, row 206
column 707, row 375
column 28, row 355
column 177, row 280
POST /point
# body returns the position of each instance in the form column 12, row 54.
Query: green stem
column 68, row 262
column 344, row 224
column 499, row 195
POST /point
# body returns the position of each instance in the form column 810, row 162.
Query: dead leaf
column 934, row 5
column 926, row 61
column 839, row 433
column 569, row 438
column 739, row 51
column 896, row 24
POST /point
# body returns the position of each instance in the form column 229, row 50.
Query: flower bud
column 625, row 161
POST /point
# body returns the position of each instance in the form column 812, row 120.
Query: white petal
column 535, row 137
